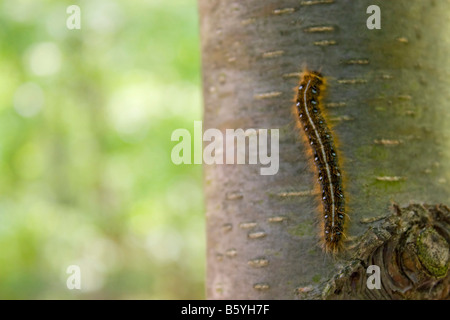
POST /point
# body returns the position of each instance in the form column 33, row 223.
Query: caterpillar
column 320, row 138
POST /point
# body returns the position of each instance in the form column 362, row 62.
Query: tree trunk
column 387, row 97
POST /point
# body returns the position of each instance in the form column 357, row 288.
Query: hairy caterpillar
column 320, row 139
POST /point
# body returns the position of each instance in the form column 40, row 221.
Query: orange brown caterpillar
column 320, row 139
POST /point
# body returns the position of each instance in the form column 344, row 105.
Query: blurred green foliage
column 86, row 118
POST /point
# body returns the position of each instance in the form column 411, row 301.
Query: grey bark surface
column 388, row 98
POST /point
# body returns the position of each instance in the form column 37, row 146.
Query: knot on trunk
column 411, row 248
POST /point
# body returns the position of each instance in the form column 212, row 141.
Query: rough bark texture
column 411, row 247
column 388, row 96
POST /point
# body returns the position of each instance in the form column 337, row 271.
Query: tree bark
column 388, row 99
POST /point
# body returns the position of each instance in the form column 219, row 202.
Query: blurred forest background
column 86, row 118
